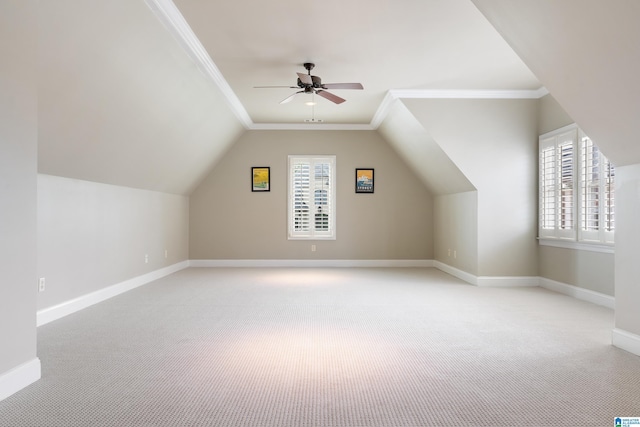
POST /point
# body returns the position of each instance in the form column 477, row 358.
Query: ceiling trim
column 310, row 126
column 395, row 94
column 172, row 19
column 469, row 94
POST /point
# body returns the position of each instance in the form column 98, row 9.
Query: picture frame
column 364, row 180
column 260, row 178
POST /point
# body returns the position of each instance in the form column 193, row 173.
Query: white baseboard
column 516, row 281
column 50, row 314
column 455, row 272
column 19, row 377
column 508, row 281
column 310, row 263
column 494, row 281
column 626, row 341
column 56, row 312
column 579, row 293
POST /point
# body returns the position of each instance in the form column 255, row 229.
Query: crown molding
column 394, row 94
column 383, row 109
column 468, row 94
column 172, row 19
column 310, row 126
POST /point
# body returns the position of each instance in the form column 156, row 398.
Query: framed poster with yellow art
column 260, row 178
column 364, row 180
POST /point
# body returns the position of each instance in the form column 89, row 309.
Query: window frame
column 325, row 185
column 583, row 170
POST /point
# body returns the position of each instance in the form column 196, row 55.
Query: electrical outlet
column 313, row 248
column 455, row 254
column 166, row 254
column 41, row 285
column 146, row 258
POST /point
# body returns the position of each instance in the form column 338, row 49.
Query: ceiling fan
column 313, row 84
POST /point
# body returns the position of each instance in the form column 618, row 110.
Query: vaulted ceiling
column 151, row 93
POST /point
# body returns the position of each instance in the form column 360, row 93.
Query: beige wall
column 585, row 269
column 228, row 221
column 91, row 235
column 456, row 230
column 494, row 144
column 551, row 116
column 18, row 163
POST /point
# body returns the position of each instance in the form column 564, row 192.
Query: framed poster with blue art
column 260, row 178
column 364, row 180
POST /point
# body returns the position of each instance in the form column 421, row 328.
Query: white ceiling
column 383, row 44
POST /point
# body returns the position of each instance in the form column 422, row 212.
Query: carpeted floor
column 329, row 347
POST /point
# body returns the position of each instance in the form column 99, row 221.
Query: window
column 311, row 202
column 596, row 193
column 576, row 196
column 557, row 195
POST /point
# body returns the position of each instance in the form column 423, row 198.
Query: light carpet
column 329, row 347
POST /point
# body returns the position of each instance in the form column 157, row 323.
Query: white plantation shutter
column 589, row 190
column 557, row 193
column 609, row 200
column 548, row 188
column 576, row 189
column 567, row 194
column 596, row 194
column 311, row 202
column 300, row 173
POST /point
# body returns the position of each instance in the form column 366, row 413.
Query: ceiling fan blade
column 342, row 86
column 269, row 87
column 305, row 78
column 331, row 97
column 290, row 97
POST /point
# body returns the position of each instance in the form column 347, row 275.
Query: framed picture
column 261, row 178
column 364, row 180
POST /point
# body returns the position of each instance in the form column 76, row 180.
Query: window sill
column 311, row 238
column 581, row 246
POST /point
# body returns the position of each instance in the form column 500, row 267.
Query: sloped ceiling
column 587, row 54
column 123, row 99
column 422, row 153
column 121, row 103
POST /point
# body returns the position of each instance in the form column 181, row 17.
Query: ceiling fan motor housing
column 317, row 81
